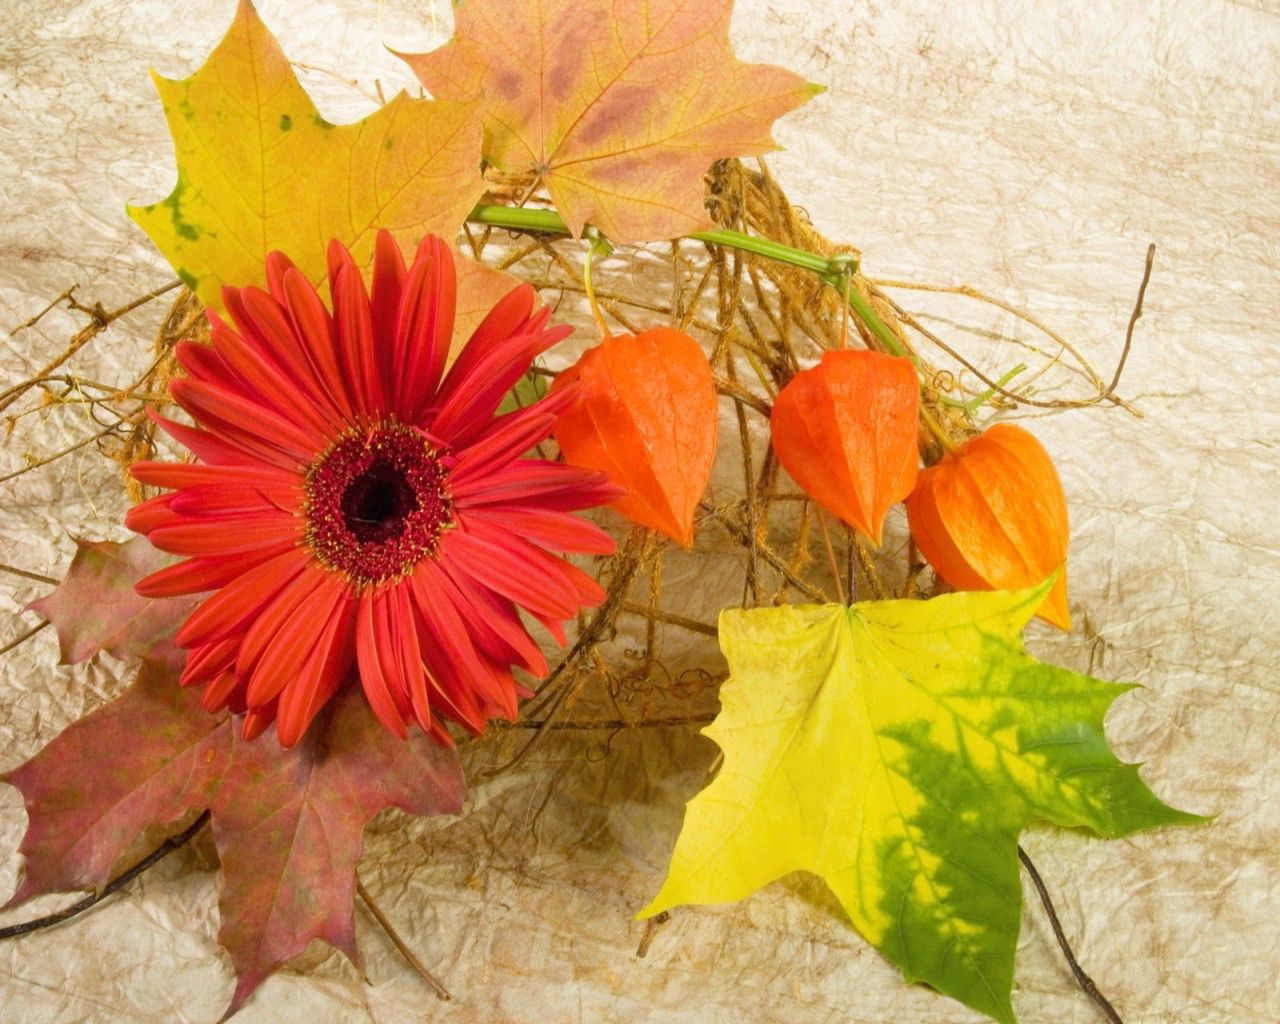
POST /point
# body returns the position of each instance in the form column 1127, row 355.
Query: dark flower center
column 377, row 504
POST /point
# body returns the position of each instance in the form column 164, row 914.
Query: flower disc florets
column 377, row 504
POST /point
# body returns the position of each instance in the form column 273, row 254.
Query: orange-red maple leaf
column 618, row 106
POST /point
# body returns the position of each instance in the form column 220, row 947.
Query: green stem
column 978, row 401
column 833, row 270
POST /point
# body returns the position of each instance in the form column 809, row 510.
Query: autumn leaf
column 95, row 607
column 897, row 749
column 288, row 825
column 147, row 758
column 260, row 170
column 646, row 414
column 618, row 107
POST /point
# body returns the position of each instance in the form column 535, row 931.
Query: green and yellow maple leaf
column 259, row 169
column 897, row 749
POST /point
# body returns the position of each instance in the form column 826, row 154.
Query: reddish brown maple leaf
column 147, row 758
column 288, row 824
column 289, row 827
column 95, row 607
column 618, row 106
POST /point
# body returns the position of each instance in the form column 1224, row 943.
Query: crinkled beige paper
column 1027, row 147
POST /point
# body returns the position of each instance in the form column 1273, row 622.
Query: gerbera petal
column 441, row 620
column 401, row 635
column 206, row 364
column 384, row 293
column 535, row 483
column 252, row 426
column 293, row 643
column 313, row 327
column 223, row 499
column 554, row 531
column 506, row 319
column 257, row 721
column 354, row 319
column 278, row 264
column 260, row 372
column 151, row 514
column 405, row 682
column 505, row 446
column 468, row 405
column 197, row 575
column 587, row 592
column 207, row 447
column 196, row 474
column 321, row 676
column 529, row 586
column 494, row 622
column 240, row 600
column 229, row 535
column 218, row 693
column 424, row 327
column 258, row 315
column 209, row 660
column 552, row 625
column 266, row 627
column 389, row 710
column 483, row 428
column 449, row 692
column 512, row 317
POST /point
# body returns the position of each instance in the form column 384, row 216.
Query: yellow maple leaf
column 259, row 169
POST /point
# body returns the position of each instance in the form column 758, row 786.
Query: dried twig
column 434, row 983
column 80, row 906
column 23, row 638
column 1085, row 982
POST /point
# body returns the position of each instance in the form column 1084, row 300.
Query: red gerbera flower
column 354, row 504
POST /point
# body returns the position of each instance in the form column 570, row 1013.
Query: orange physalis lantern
column 646, row 415
column 846, row 431
column 991, row 515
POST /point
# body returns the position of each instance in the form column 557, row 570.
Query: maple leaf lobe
column 288, row 824
column 95, row 608
column 149, row 757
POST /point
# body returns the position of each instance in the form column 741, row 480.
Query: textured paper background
column 1029, row 148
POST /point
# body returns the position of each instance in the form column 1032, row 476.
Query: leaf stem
column 831, row 555
column 935, row 428
column 598, row 245
column 978, row 401
column 833, row 270
column 156, row 855
column 1085, row 982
